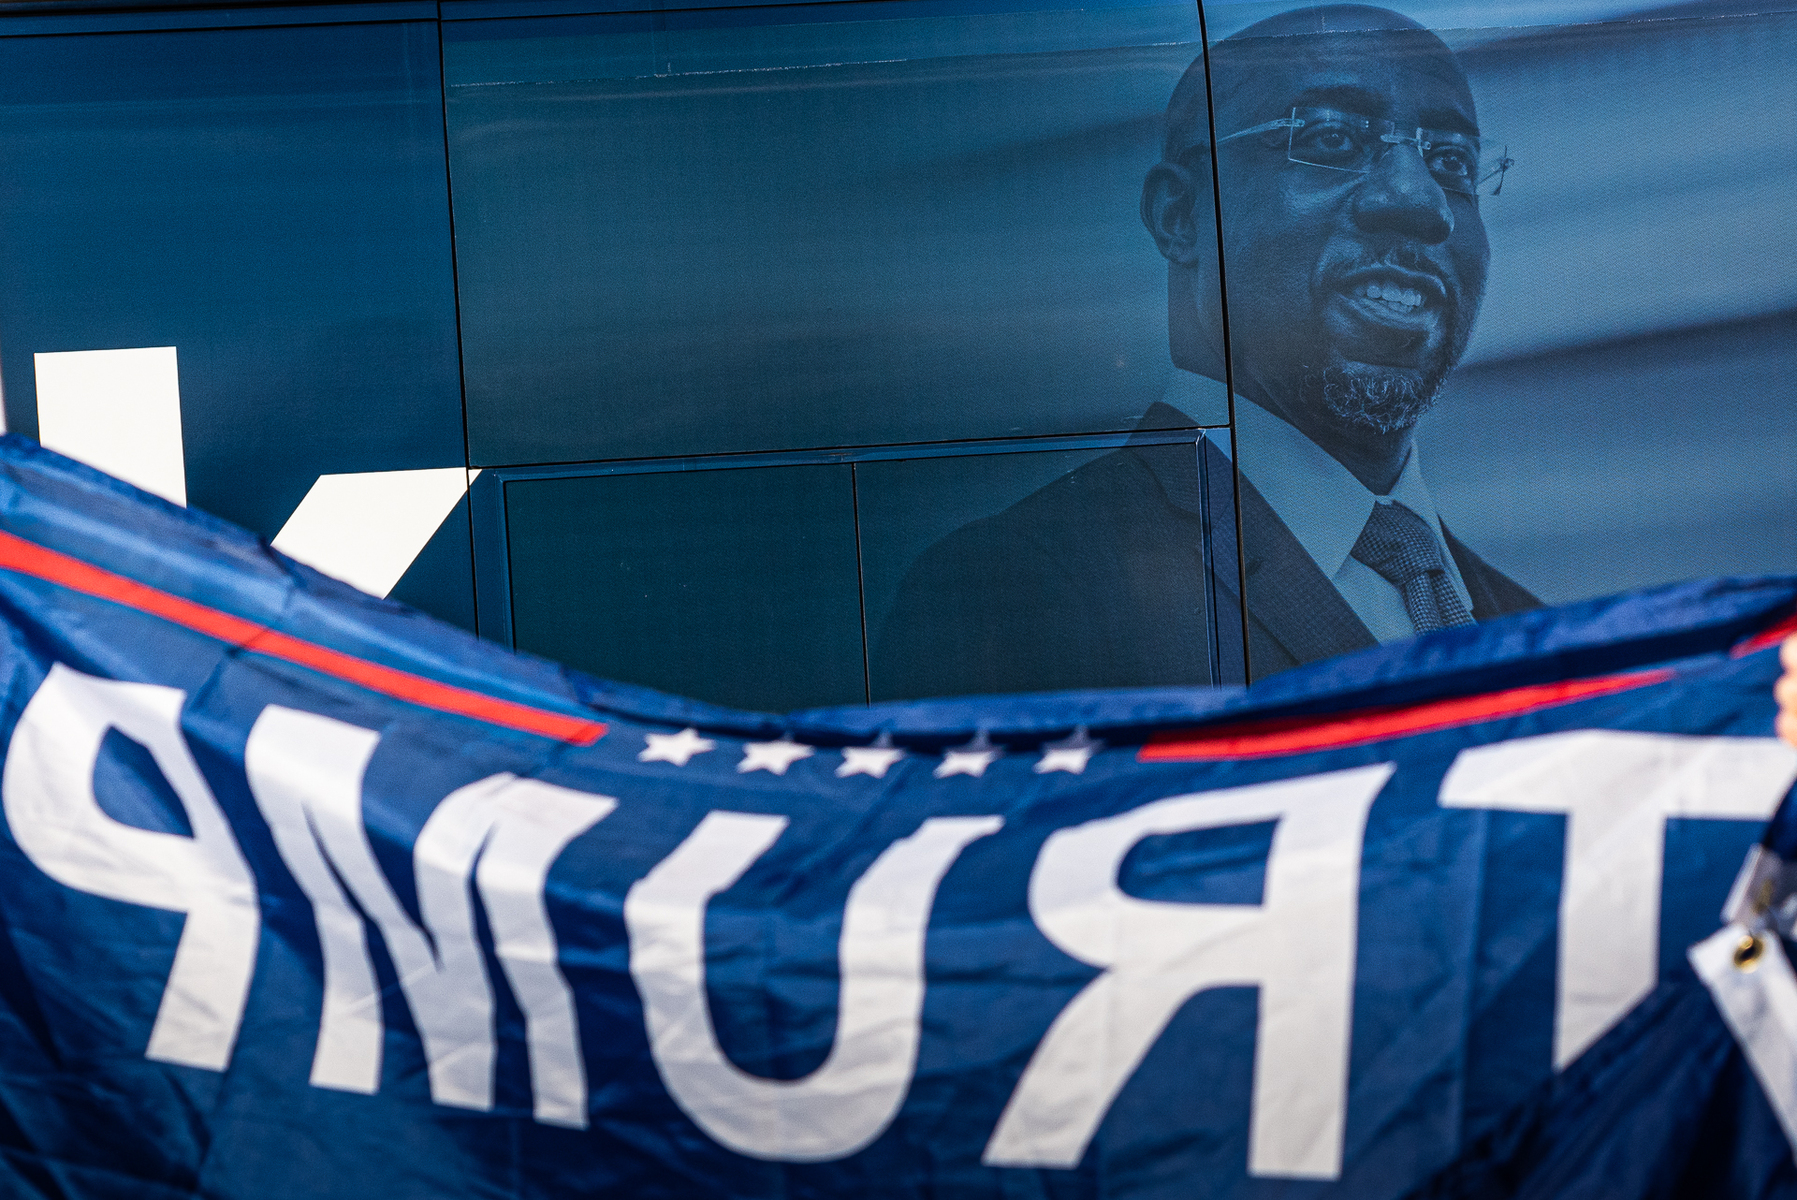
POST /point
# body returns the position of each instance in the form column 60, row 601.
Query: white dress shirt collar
column 1326, row 507
column 1319, row 500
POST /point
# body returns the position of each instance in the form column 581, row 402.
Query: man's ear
column 1176, row 208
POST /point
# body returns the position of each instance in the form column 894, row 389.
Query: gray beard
column 1383, row 403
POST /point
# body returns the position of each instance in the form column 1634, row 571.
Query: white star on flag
column 868, row 760
column 971, row 759
column 773, row 756
column 677, row 748
column 1070, row 755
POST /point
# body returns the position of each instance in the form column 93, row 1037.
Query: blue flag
column 306, row 895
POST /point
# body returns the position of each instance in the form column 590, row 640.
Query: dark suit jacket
column 1099, row 580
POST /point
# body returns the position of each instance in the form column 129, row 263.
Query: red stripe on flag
column 28, row 558
column 1767, row 637
column 1297, row 735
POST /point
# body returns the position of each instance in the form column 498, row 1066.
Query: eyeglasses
column 1343, row 141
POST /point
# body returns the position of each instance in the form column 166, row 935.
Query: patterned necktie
column 1397, row 544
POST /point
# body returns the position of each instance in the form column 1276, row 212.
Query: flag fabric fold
column 303, row 894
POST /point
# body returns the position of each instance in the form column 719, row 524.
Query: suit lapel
column 1296, row 605
column 1485, row 605
column 1289, row 593
column 1294, row 610
column 1493, row 593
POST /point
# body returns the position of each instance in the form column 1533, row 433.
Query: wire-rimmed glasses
column 1345, row 141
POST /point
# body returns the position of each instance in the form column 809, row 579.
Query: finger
column 1787, row 653
column 1787, row 727
column 1785, row 691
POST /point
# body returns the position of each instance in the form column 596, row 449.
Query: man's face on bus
column 1355, row 273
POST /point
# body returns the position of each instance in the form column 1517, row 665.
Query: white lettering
column 306, row 773
column 526, row 825
column 1296, row 946
column 848, row 1101
column 1616, row 790
column 48, row 784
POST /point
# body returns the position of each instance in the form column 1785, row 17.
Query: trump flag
column 303, row 894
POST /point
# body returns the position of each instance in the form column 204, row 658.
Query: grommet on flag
column 1755, row 990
